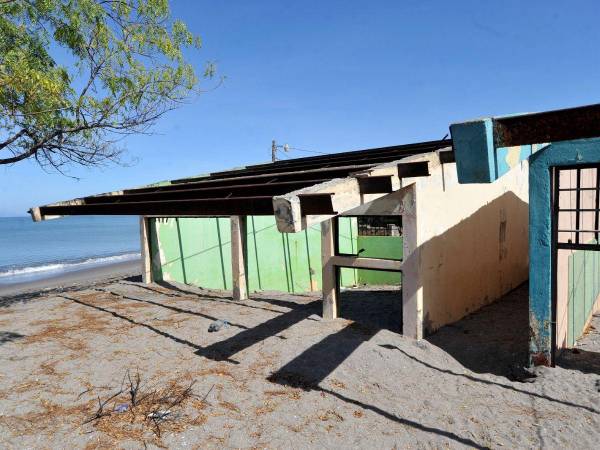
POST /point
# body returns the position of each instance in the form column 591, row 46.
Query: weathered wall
column 478, row 158
column 197, row 251
column 470, row 245
column 540, row 237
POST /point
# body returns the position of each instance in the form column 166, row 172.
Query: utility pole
column 275, row 147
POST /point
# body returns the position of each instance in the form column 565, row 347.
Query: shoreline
column 75, row 278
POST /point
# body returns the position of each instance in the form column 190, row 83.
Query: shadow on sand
column 494, row 339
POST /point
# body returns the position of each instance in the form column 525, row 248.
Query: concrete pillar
column 239, row 253
column 412, row 289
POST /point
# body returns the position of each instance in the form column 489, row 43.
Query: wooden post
column 145, row 250
column 330, row 271
column 239, row 257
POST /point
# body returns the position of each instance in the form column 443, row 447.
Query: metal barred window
column 380, row 225
column 577, row 207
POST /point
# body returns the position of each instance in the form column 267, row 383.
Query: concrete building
column 291, row 225
column 564, row 211
column 506, row 199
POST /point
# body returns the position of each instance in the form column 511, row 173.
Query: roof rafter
column 254, row 190
column 344, row 194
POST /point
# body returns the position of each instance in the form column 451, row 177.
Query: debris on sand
column 141, row 411
column 217, row 325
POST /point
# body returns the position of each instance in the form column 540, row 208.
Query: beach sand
column 75, row 278
column 278, row 376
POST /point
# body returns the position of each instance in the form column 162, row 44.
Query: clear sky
column 341, row 75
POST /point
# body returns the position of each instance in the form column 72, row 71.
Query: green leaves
column 77, row 74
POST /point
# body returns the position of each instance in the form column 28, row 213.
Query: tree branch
column 13, row 138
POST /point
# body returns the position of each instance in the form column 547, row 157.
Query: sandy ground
column 75, row 278
column 279, row 376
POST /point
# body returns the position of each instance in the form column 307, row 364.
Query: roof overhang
column 298, row 192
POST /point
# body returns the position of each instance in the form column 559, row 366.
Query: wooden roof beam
column 348, row 193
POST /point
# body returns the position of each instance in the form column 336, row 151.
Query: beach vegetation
column 76, row 76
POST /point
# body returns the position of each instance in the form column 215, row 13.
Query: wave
column 66, row 266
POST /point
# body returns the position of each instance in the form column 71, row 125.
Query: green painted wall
column 584, row 288
column 191, row 251
column 197, row 251
column 387, row 247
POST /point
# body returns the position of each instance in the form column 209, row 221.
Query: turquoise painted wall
column 478, row 160
column 540, row 235
column 197, row 251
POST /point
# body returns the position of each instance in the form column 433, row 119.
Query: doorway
column 575, row 252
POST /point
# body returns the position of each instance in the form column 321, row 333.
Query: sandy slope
column 77, row 277
column 279, row 376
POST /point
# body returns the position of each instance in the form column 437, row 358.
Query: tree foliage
column 77, row 75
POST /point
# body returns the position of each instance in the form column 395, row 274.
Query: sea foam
column 37, row 271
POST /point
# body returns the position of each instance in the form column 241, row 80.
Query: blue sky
column 341, row 75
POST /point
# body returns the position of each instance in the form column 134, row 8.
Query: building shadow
column 9, row 336
column 494, row 339
column 25, row 297
column 181, row 292
column 132, row 322
column 221, row 350
column 475, row 379
column 463, row 278
column 133, row 279
column 312, row 366
column 176, row 309
column 224, row 350
column 406, row 422
column 376, row 308
column 583, row 361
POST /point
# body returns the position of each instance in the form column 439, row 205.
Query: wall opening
column 375, row 299
column 576, row 252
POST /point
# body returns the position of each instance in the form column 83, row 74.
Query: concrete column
column 239, row 257
column 330, row 272
column 412, row 289
column 145, row 250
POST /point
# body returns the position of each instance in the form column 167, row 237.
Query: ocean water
column 31, row 251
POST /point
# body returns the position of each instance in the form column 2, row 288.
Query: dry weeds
column 69, row 334
column 142, row 412
column 51, row 417
column 292, row 394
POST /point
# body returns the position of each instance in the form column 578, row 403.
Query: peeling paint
column 540, row 234
column 513, row 156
